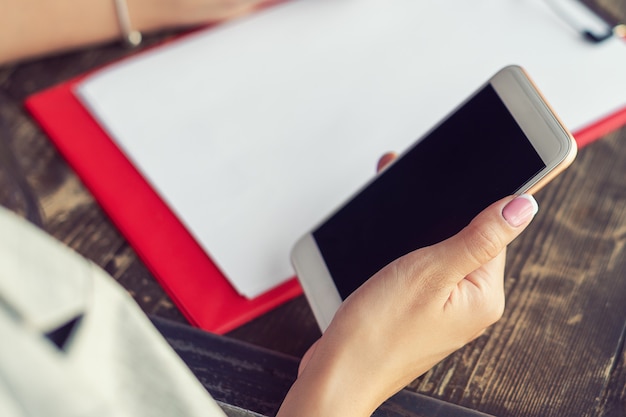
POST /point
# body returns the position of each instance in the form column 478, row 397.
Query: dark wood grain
column 227, row 368
column 558, row 350
column 563, row 327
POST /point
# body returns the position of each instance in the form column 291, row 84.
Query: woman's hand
column 409, row 316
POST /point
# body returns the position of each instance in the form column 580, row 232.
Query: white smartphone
column 502, row 140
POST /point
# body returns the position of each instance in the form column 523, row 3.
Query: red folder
column 179, row 264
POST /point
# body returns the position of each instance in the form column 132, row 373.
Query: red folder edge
column 170, row 252
column 180, row 265
column 600, row 128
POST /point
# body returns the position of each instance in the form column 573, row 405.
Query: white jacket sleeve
column 75, row 343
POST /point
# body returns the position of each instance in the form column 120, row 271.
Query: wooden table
column 558, row 350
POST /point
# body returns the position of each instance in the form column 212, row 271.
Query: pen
column 585, row 21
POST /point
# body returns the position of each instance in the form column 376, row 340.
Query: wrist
column 321, row 398
column 334, row 382
column 149, row 16
column 153, row 15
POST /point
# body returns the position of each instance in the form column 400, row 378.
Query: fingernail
column 520, row 210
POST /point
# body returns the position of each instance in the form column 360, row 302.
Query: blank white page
column 255, row 130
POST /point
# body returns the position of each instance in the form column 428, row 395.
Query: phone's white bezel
column 315, row 279
column 552, row 141
column 536, row 120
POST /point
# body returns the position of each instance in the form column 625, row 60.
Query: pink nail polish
column 520, row 210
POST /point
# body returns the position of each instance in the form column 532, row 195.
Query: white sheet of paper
column 255, row 130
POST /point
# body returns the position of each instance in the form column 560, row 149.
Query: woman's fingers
column 487, row 235
column 385, row 160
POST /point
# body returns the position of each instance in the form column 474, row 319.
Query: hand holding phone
column 409, row 316
column 503, row 140
column 412, row 267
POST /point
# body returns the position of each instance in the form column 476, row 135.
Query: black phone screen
column 474, row 158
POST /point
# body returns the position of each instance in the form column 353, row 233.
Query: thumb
column 487, row 235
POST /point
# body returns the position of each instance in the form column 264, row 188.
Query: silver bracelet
column 131, row 38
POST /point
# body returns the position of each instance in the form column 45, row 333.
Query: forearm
column 36, row 27
column 31, row 28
